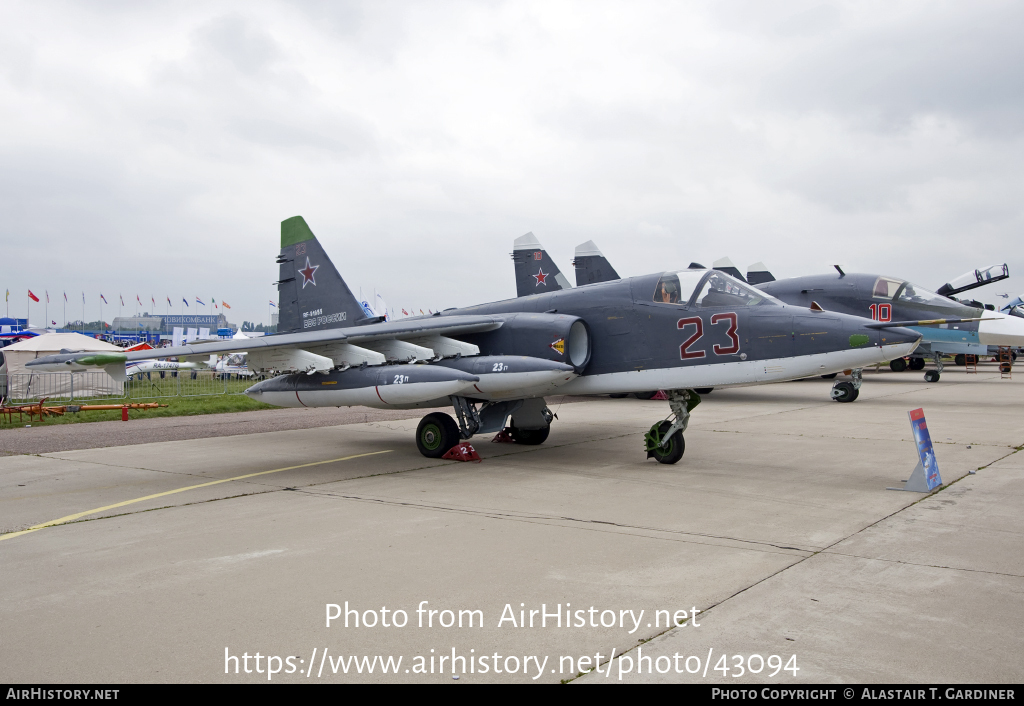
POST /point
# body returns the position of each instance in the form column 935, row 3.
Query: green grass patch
column 176, row 407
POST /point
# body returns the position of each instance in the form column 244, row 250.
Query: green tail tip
column 295, row 230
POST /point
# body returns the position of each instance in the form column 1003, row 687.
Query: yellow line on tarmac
column 72, row 518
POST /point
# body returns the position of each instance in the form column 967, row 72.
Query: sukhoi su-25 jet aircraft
column 494, row 363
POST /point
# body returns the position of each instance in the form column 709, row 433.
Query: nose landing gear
column 848, row 391
column 664, row 442
column 933, row 375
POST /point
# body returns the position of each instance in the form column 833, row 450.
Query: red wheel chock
column 660, row 396
column 462, row 452
column 503, row 437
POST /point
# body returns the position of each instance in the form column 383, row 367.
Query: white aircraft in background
column 141, row 367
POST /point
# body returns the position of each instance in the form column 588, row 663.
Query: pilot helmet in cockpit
column 668, row 290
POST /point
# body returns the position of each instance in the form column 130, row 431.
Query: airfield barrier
column 69, row 387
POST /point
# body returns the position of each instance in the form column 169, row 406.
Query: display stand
column 925, row 477
column 917, row 483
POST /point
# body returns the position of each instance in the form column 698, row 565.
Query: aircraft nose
column 1001, row 330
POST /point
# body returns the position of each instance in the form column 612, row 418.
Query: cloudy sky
column 154, row 148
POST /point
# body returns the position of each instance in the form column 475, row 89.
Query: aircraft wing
column 373, row 344
column 406, row 328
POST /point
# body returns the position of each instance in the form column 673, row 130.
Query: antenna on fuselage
column 839, row 270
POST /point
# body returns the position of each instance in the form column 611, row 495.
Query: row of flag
column 199, row 301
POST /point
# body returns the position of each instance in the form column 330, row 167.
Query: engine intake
column 557, row 337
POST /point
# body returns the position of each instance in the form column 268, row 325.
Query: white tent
column 22, row 383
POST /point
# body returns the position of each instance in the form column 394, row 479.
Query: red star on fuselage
column 307, row 274
column 540, row 277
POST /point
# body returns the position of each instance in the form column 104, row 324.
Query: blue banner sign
column 925, row 449
column 211, row 320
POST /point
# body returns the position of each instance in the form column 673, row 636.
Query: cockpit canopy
column 898, row 290
column 708, row 288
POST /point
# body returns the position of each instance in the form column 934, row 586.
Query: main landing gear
column 898, row 365
column 529, row 425
column 848, row 391
column 665, row 439
column 436, row 433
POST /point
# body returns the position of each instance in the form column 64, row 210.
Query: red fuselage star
column 541, row 277
column 307, row 274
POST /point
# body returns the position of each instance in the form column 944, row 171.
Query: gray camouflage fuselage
column 855, row 294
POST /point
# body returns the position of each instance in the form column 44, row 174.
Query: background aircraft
column 889, row 299
column 495, row 362
column 536, row 272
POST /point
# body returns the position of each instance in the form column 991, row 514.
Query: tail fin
column 725, row 265
column 312, row 294
column 536, row 272
column 759, row 274
column 592, row 266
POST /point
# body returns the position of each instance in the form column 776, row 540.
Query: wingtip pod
column 295, row 230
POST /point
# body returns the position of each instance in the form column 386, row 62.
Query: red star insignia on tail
column 307, row 274
column 540, row 277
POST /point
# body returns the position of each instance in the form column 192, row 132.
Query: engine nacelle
column 558, row 337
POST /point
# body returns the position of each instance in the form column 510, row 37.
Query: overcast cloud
column 153, row 149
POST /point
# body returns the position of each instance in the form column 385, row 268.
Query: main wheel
column 618, row 395
column 703, row 390
column 528, row 437
column 830, row 376
column 898, row 365
column 917, row 363
column 931, row 376
column 672, row 451
column 436, row 433
column 645, row 395
column 844, row 392
column 960, row 359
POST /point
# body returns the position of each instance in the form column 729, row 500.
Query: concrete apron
column 777, row 484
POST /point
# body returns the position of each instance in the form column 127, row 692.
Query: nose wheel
column 664, row 442
column 669, row 447
column 933, row 375
column 848, row 391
